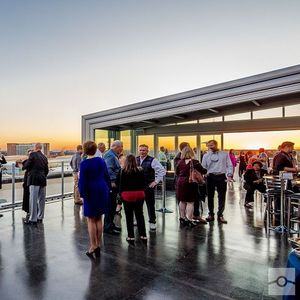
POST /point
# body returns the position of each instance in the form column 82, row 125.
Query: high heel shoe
column 191, row 224
column 97, row 252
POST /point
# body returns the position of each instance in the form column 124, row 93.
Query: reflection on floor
column 207, row 262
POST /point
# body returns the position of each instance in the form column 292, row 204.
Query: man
column 2, row 162
column 100, row 150
column 37, row 166
column 263, row 157
column 162, row 158
column 111, row 158
column 75, row 165
column 154, row 173
column 218, row 165
column 284, row 160
column 254, row 180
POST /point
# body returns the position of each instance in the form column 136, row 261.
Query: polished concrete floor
column 207, row 262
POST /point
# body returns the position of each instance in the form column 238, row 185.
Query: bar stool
column 293, row 201
column 273, row 192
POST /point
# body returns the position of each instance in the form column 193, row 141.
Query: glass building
column 257, row 111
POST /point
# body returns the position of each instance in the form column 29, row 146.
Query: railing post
column 13, row 187
column 62, row 180
column 163, row 190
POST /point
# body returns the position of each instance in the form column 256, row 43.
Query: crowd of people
column 105, row 181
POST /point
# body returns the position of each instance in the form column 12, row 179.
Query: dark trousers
column 109, row 217
column 251, row 189
column 26, row 196
column 200, row 197
column 150, row 201
column 136, row 208
column 219, row 182
column 0, row 179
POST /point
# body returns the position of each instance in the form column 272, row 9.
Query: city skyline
column 60, row 61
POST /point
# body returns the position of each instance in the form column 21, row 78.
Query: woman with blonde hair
column 187, row 191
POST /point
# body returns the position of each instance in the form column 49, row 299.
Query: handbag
column 195, row 176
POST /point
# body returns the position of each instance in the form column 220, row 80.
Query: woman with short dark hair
column 94, row 187
column 131, row 181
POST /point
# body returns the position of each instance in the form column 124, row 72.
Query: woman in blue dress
column 94, row 187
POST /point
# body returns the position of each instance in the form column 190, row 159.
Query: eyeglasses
column 214, row 157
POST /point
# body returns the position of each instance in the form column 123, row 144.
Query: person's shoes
column 248, row 205
column 1, row 215
column 130, row 240
column 152, row 226
column 27, row 222
column 191, row 224
column 97, row 252
column 112, row 231
column 144, row 238
column 40, row 220
column 78, row 203
column 210, row 218
column 183, row 222
column 200, row 220
column 221, row 220
column 119, row 229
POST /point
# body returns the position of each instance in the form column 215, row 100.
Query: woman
column 94, row 186
column 233, row 161
column 242, row 164
column 132, row 184
column 187, row 193
column 26, row 195
column 254, row 181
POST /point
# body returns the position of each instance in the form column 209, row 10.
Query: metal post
column 282, row 228
column 13, row 187
column 62, row 180
column 163, row 190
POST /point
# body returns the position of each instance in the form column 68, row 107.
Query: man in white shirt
column 154, row 173
column 218, row 165
column 100, row 150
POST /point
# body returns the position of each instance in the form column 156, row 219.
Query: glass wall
column 237, row 117
column 211, row 120
column 102, row 136
column 255, row 140
column 268, row 113
column 125, row 137
column 168, row 142
column 205, row 138
column 292, row 110
column 147, row 140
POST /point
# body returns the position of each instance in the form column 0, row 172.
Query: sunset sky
column 62, row 59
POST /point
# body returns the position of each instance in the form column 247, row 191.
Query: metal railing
column 8, row 195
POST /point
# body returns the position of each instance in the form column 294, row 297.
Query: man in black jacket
column 254, row 181
column 37, row 166
column 2, row 162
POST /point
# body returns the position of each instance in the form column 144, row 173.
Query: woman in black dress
column 242, row 164
column 131, row 182
column 187, row 192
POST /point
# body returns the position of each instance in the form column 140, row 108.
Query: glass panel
column 205, row 138
column 101, row 136
column 292, row 110
column 191, row 139
column 147, row 140
column 255, row 140
column 125, row 137
column 211, row 120
column 268, row 113
column 188, row 122
column 236, row 117
column 168, row 142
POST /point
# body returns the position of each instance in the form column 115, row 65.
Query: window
column 292, row 110
column 147, row 140
column 268, row 113
column 211, row 120
column 188, row 122
column 125, row 137
column 236, row 117
column 101, row 136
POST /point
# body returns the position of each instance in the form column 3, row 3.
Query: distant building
column 21, row 149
